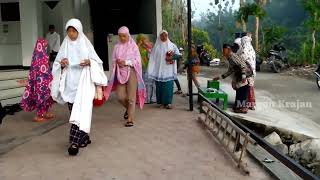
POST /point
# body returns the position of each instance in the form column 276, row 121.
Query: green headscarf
column 143, row 51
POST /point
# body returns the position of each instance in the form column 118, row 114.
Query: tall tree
column 259, row 13
column 244, row 24
column 313, row 8
column 218, row 21
column 174, row 15
column 253, row 9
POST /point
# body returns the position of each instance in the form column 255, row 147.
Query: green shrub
column 211, row 50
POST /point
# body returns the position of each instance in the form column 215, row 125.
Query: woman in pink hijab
column 126, row 78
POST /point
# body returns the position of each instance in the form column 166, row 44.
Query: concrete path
column 163, row 145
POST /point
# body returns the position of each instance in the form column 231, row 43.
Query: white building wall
column 35, row 19
column 40, row 18
column 10, row 44
column 29, row 29
column 17, row 45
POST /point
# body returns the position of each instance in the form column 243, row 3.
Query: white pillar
column 67, row 12
column 158, row 16
column 29, row 29
column 41, row 32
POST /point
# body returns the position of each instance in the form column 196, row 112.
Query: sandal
column 241, row 110
column 85, row 144
column 126, row 115
column 252, row 108
column 73, row 150
column 178, row 92
column 168, row 106
column 39, row 119
column 48, row 115
column 129, row 124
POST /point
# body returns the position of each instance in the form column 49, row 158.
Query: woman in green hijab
column 145, row 47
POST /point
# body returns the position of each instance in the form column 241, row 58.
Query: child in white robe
column 78, row 78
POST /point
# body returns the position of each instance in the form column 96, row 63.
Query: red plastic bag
column 99, row 98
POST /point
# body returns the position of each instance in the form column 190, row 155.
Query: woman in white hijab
column 163, row 68
column 78, row 77
column 249, row 54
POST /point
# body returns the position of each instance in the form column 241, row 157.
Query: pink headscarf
column 125, row 51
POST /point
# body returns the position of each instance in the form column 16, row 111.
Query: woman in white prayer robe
column 78, row 77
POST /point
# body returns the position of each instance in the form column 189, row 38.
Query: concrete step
column 11, row 89
column 15, row 100
column 12, row 75
column 11, row 93
column 10, row 84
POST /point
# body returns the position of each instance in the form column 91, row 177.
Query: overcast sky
column 201, row 6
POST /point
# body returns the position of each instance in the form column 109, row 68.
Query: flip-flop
column 168, row 106
column 129, row 124
column 39, row 119
column 178, row 92
column 48, row 116
column 126, row 115
column 252, row 108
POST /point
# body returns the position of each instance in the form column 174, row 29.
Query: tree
column 259, row 13
column 313, row 8
column 220, row 22
column 272, row 34
column 200, row 36
column 174, row 15
column 244, row 24
column 253, row 9
column 243, row 14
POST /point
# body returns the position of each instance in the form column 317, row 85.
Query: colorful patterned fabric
column 251, row 98
column 248, row 53
column 195, row 61
column 145, row 48
column 37, row 92
column 144, row 57
column 77, row 136
column 238, row 67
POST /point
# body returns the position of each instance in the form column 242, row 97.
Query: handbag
column 99, row 98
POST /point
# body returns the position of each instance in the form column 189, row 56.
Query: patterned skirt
column 251, row 98
column 77, row 136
